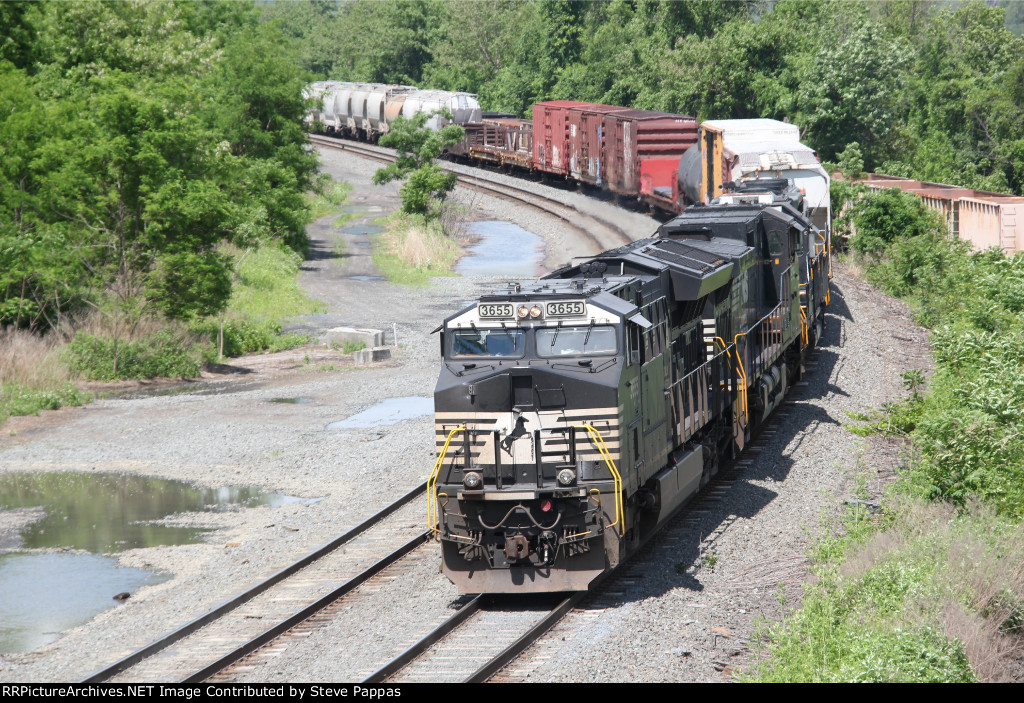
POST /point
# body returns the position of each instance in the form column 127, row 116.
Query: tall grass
column 33, row 376
column 412, row 249
column 936, row 594
column 266, row 286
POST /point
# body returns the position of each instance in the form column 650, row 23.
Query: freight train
column 574, row 414
column 664, row 160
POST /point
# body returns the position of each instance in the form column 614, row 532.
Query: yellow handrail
column 743, row 373
column 601, row 447
column 803, row 323
column 432, row 517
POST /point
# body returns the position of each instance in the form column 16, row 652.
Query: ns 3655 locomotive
column 575, row 413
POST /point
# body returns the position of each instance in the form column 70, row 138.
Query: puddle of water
column 292, row 401
column 362, row 229
column 112, row 512
column 47, row 593
column 504, row 249
column 367, row 278
column 387, row 412
column 286, row 500
column 362, row 244
column 364, row 208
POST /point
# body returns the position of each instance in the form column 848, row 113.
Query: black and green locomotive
column 575, row 413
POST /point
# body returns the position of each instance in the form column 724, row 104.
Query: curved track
column 604, row 234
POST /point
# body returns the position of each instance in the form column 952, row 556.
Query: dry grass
column 412, row 251
column 29, row 360
column 968, row 574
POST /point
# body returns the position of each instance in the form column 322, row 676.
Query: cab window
column 488, row 342
column 575, row 341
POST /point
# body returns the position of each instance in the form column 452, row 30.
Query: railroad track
column 480, row 641
column 476, row 642
column 605, row 235
column 217, row 639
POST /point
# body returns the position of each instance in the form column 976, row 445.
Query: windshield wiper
column 555, row 335
column 587, row 338
column 513, row 337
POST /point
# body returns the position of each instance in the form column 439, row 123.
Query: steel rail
column 226, row 607
column 529, row 637
column 303, row 614
column 435, row 635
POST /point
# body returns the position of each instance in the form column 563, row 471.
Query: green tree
column 417, row 146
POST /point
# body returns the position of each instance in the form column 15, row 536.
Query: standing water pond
column 504, row 249
column 56, row 527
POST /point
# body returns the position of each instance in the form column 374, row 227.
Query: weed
column 167, row 353
column 710, row 560
column 352, row 347
column 780, row 595
column 327, row 198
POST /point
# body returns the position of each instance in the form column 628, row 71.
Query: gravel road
column 668, row 617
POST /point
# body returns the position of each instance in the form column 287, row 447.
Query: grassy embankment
column 930, row 588
column 41, row 373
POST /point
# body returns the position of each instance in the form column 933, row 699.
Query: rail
column 231, row 605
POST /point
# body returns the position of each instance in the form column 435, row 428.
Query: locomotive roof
column 694, row 271
column 732, row 219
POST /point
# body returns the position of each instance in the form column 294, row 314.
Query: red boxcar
column 605, row 145
column 552, row 133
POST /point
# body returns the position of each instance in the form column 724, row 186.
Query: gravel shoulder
column 668, row 624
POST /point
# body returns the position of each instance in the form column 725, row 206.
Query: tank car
column 575, row 413
column 367, row 110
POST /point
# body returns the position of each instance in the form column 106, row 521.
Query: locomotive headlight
column 523, row 312
column 535, row 311
column 566, row 477
column 472, row 480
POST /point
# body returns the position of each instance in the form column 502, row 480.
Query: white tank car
column 337, row 106
column 761, row 148
column 463, row 106
column 317, row 92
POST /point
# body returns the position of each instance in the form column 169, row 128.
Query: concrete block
column 368, row 356
column 339, row 335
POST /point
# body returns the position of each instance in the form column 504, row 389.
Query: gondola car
column 575, row 413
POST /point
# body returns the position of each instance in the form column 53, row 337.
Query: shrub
column 161, row 354
column 883, row 217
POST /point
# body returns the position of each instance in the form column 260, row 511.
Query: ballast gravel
column 684, row 609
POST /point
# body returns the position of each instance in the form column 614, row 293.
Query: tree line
column 136, row 139
column 930, row 90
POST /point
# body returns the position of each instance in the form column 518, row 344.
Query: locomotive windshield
column 489, row 342
column 571, row 341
